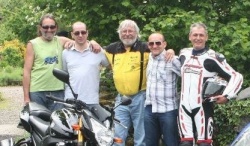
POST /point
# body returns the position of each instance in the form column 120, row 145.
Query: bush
column 11, row 76
column 12, row 53
column 229, row 119
column 107, row 87
column 6, row 33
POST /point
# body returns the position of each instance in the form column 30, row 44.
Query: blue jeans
column 161, row 124
column 132, row 114
column 40, row 98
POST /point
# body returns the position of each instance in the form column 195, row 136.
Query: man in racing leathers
column 198, row 64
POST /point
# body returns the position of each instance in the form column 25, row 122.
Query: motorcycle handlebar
column 69, row 100
column 80, row 104
column 54, row 98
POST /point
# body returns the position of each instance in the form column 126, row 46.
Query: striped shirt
column 162, row 78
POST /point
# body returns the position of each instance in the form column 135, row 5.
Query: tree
column 227, row 22
column 19, row 22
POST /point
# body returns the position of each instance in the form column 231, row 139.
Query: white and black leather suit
column 194, row 114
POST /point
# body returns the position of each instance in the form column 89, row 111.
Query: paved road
column 9, row 112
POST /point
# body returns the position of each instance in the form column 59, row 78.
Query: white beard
column 128, row 42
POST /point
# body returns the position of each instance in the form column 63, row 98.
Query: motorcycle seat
column 39, row 125
column 39, row 111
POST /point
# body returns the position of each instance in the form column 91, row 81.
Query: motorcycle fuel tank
column 61, row 123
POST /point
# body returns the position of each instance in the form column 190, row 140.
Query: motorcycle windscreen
column 99, row 112
column 243, row 139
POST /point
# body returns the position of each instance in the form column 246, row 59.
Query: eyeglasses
column 151, row 44
column 49, row 26
column 127, row 31
column 77, row 33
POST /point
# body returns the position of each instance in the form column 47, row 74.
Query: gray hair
column 49, row 16
column 128, row 22
column 198, row 25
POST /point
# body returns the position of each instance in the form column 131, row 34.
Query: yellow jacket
column 126, row 64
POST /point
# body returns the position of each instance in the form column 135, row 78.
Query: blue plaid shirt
column 162, row 78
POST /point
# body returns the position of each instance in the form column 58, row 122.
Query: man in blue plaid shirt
column 160, row 115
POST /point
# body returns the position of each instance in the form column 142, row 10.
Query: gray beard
column 48, row 38
column 128, row 43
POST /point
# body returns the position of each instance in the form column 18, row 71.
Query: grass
column 3, row 102
column 26, row 135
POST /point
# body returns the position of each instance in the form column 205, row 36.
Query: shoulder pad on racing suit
column 220, row 57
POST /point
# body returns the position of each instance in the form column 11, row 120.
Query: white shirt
column 84, row 71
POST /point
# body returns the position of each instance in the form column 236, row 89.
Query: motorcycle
column 243, row 138
column 75, row 125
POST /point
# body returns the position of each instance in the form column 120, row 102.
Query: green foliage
column 11, row 76
column 11, row 62
column 107, row 83
column 21, row 21
column 6, row 33
column 12, row 54
column 107, row 87
column 229, row 120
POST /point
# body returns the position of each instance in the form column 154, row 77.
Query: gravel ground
column 9, row 116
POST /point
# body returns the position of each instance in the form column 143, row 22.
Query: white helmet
column 213, row 87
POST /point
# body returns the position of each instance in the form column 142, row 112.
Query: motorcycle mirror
column 61, row 75
column 243, row 94
column 64, row 77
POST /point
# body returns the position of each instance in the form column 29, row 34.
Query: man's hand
column 96, row 48
column 26, row 101
column 169, row 55
column 220, row 99
column 69, row 44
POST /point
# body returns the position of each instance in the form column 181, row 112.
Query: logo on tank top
column 51, row 60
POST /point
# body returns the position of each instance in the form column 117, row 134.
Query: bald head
column 156, row 35
column 79, row 33
column 77, row 24
column 156, row 43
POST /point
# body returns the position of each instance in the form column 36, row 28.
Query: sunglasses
column 77, row 33
column 151, row 44
column 49, row 26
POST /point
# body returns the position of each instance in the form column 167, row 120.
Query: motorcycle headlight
column 104, row 136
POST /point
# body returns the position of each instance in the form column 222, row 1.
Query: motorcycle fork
column 78, row 127
column 80, row 134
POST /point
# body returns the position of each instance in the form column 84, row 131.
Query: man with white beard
column 129, row 58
